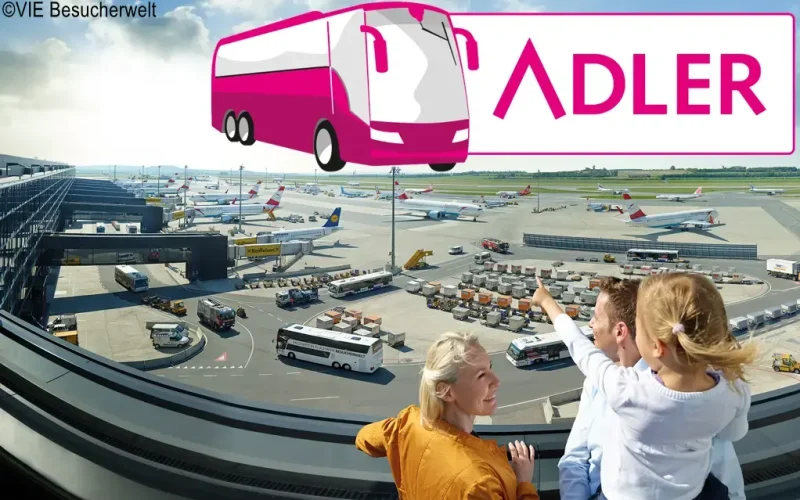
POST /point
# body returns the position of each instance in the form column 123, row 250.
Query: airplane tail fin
column 333, row 220
column 275, row 201
column 699, row 190
column 633, row 209
column 403, row 196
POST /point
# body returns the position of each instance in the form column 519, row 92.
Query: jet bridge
column 206, row 255
column 152, row 216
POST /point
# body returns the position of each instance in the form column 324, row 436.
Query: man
column 614, row 327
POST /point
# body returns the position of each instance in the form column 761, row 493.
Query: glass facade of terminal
column 28, row 208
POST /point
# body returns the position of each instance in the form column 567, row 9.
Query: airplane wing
column 698, row 224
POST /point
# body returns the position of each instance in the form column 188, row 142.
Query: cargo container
column 373, row 319
column 324, row 322
column 374, row 328
column 429, row 290
column 626, row 269
column 450, row 291
column 466, row 277
column 773, row 312
column 363, row 332
column 556, row 291
column 789, row 308
column 589, row 297
column 504, row 288
column 342, row 328
column 493, row 318
column 479, row 280
column 572, row 310
column 491, row 284
column 738, row 323
column 467, row 294
column 545, row 273
column 568, row 297
column 518, row 291
column 561, row 274
column 501, row 267
column 524, row 305
column 460, row 313
column 529, row 271
column 503, row 301
column 516, row 323
column 436, row 284
column 594, row 283
column 484, row 298
column 755, row 319
column 516, row 268
column 413, row 287
column 336, row 316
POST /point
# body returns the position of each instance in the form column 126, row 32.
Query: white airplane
column 769, row 191
column 490, row 203
column 385, row 196
column 428, row 189
column 223, row 198
column 514, row 194
column 354, row 183
column 438, row 210
column 692, row 219
column 310, row 234
column 354, row 194
column 612, row 190
column 165, row 191
column 226, row 213
column 133, row 185
column 680, row 197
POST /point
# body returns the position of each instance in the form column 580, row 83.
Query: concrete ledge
column 175, row 359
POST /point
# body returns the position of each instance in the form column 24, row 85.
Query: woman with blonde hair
column 667, row 417
column 432, row 449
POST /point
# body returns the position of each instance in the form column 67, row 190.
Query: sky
column 136, row 92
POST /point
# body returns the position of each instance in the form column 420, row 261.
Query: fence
column 697, row 250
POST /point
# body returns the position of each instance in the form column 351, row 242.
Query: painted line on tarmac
column 292, row 373
column 252, row 344
column 313, row 399
column 265, row 374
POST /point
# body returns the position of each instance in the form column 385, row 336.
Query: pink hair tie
column 678, row 328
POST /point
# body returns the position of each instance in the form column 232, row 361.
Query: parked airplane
column 597, row 207
column 680, row 197
column 441, row 210
column 769, row 191
column 225, row 198
column 165, row 191
column 489, row 203
column 514, row 194
column 133, row 185
column 331, row 225
column 692, row 219
column 387, row 195
column 354, row 183
column 612, row 190
column 354, row 194
column 226, row 213
column 428, row 189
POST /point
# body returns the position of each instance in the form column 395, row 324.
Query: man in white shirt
column 579, row 468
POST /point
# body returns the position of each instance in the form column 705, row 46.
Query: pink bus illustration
column 375, row 84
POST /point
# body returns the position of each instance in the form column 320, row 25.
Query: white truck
column 789, row 269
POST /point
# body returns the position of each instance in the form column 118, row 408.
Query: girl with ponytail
column 432, row 449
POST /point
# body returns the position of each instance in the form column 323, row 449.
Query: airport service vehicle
column 769, row 191
column 376, row 84
column 168, row 335
column 359, row 284
column 680, row 197
column 222, row 198
column 131, row 228
column 482, row 257
column 339, row 350
column 539, row 348
column 131, row 279
column 456, row 250
column 785, row 363
column 616, row 191
column 438, row 210
column 514, row 194
column 215, row 314
column 495, row 245
column 789, row 269
column 641, row 254
column 100, row 227
column 226, row 213
column 704, row 219
column 295, row 297
column 63, row 323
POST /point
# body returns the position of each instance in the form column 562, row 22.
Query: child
column 667, row 417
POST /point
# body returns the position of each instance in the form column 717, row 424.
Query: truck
column 785, row 363
column 295, row 297
column 781, row 268
column 495, row 245
column 215, row 314
column 64, row 327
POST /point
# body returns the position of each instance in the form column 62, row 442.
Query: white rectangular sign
column 631, row 84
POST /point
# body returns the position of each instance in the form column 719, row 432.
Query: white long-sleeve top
column 660, row 444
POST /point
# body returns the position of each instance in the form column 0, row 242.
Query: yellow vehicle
column 71, row 260
column 609, row 258
column 785, row 363
column 176, row 307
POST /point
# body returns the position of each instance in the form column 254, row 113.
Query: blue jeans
column 713, row 489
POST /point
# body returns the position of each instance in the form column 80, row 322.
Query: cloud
column 34, row 77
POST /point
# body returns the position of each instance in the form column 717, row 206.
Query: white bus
column 638, row 254
column 539, row 348
column 358, row 284
column 100, row 227
column 131, row 279
column 339, row 350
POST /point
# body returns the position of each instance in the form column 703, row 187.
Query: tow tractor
column 785, row 363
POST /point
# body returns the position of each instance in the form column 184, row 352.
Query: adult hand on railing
column 522, row 461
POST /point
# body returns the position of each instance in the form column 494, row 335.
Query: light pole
column 185, row 180
column 395, row 170
column 241, row 167
column 538, row 192
column 159, row 181
column 115, row 173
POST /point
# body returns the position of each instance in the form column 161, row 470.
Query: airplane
column 514, row 194
column 224, row 198
column 226, row 213
column 384, row 196
column 612, row 190
column 165, row 191
column 354, row 183
column 596, row 207
column 354, row 194
column 438, row 210
column 331, row 225
column 490, row 203
column 703, row 219
column 280, row 181
column 428, row 189
column 133, row 185
column 680, row 197
column 769, row 191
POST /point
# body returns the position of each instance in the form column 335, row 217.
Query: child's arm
column 611, row 380
column 739, row 426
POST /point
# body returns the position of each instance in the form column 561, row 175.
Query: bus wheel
column 442, row 167
column 346, row 367
column 244, row 127
column 229, row 126
column 336, row 365
column 326, row 148
column 291, row 355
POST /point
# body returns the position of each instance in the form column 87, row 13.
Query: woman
column 432, row 449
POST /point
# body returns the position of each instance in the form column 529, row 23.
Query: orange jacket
column 442, row 463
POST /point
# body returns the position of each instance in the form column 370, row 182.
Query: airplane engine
column 226, row 219
column 433, row 214
column 222, row 202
